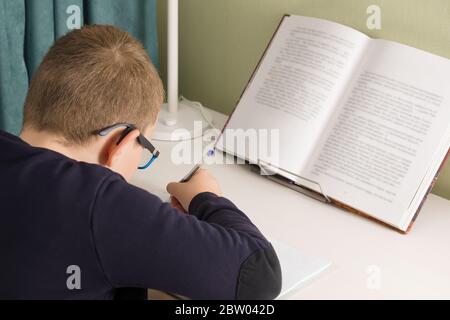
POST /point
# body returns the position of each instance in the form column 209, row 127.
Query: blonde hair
column 92, row 78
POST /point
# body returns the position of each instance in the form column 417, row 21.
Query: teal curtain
column 29, row 27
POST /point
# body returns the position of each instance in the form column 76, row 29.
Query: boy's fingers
column 176, row 204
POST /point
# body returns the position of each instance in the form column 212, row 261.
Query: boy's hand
column 201, row 182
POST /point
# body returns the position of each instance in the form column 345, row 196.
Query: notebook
column 297, row 268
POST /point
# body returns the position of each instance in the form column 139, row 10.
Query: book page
column 295, row 89
column 386, row 132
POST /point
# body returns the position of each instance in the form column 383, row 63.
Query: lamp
column 177, row 119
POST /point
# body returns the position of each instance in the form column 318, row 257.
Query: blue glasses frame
column 141, row 140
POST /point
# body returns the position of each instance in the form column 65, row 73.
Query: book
column 364, row 122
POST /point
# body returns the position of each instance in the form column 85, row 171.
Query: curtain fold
column 29, row 27
column 13, row 71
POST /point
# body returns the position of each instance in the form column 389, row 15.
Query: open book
column 364, row 121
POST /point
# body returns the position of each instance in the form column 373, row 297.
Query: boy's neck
column 42, row 139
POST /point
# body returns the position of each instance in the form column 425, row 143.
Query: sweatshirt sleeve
column 214, row 252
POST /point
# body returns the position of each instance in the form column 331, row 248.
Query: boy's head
column 90, row 79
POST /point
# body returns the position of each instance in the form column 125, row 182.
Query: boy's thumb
column 173, row 188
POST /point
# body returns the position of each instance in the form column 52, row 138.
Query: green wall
column 222, row 40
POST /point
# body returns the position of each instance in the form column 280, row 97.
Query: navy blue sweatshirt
column 73, row 230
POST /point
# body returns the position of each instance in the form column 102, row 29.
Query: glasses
column 150, row 152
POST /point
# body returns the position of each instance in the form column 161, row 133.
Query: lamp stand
column 189, row 124
column 177, row 120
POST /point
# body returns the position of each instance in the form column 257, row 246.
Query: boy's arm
column 215, row 252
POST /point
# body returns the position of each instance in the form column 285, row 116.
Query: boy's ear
column 115, row 153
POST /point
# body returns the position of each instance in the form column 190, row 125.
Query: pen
column 191, row 173
column 195, row 169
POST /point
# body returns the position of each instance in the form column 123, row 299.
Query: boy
column 72, row 227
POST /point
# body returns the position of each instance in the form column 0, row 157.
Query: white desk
column 410, row 266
